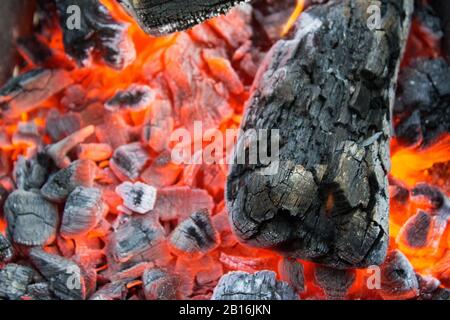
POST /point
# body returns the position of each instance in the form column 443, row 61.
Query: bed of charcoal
column 93, row 207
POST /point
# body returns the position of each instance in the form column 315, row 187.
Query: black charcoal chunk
column 129, row 160
column 65, row 277
column 116, row 290
column 262, row 285
column 83, row 210
column 398, row 278
column 335, row 283
column 195, row 234
column 134, row 98
column 6, row 250
column 62, row 183
column 14, row 280
column 32, row 220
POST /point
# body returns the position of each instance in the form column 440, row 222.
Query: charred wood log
column 163, row 17
column 64, row 276
column 97, row 31
column 329, row 90
column 262, row 285
column 14, row 280
column 32, row 220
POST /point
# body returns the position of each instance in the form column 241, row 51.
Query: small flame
column 293, row 18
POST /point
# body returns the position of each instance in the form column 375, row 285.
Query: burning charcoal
column 58, row 151
column 398, row 279
column 441, row 294
column 427, row 286
column 195, row 235
column 292, row 272
column 83, row 210
column 159, row 284
column 113, row 131
column 409, row 131
column 134, row 98
column 39, row 291
column 27, row 91
column 438, row 199
column 95, row 151
column 6, row 250
column 222, row 70
column 163, row 172
column 136, row 238
column 335, row 283
column 128, row 161
column 60, row 126
column 259, row 286
column 116, row 290
column 180, row 202
column 64, row 276
column 422, row 232
column 158, row 126
column 32, row 220
column 98, row 32
column 442, row 10
column 29, row 173
column 62, row 183
column 14, row 280
column 27, row 133
column 163, row 17
column 328, row 202
column 137, row 197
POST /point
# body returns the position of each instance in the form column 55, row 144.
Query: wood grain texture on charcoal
column 329, row 89
column 158, row 17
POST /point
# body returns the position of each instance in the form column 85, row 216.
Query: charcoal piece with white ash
column 261, row 285
column 62, row 183
column 163, row 17
column 195, row 235
column 116, row 290
column 160, row 284
column 30, row 173
column 32, row 220
column 398, row 278
column 27, row 91
column 65, row 277
column 14, row 279
column 83, row 210
column 39, row 291
column 137, row 197
column 135, row 98
column 128, row 161
column 136, row 238
column 335, row 283
column 97, row 32
column 6, row 250
column 292, row 272
column 329, row 91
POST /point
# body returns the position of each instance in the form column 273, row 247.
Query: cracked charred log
column 159, row 18
column 329, row 90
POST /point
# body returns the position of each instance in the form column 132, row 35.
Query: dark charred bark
column 329, row 90
column 158, row 17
